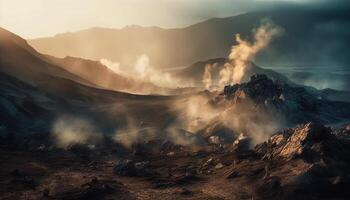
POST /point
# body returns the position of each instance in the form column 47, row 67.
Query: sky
column 40, row 18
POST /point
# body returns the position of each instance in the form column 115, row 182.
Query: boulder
column 242, row 143
column 133, row 169
column 306, row 140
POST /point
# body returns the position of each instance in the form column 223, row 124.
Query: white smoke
column 241, row 54
column 133, row 133
column 146, row 72
column 195, row 112
column 114, row 66
column 242, row 117
column 143, row 71
column 68, row 131
column 207, row 78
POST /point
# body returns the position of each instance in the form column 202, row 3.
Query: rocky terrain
column 296, row 104
column 309, row 161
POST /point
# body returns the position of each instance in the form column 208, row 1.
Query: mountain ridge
column 208, row 39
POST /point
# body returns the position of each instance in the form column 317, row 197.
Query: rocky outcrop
column 343, row 132
column 292, row 103
column 310, row 160
column 259, row 88
column 308, row 141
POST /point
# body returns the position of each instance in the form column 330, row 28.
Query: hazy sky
column 38, row 18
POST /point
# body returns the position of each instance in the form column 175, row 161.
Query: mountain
column 21, row 61
column 102, row 76
column 194, row 73
column 37, row 69
column 296, row 104
column 304, row 31
column 262, row 106
column 35, row 90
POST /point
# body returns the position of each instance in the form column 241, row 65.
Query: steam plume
column 114, row 66
column 143, row 71
column 207, row 79
column 69, row 131
column 242, row 53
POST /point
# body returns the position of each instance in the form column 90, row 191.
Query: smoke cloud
column 240, row 114
column 257, row 123
column 143, row 71
column 201, row 113
column 68, row 131
column 245, row 51
column 195, row 112
column 135, row 133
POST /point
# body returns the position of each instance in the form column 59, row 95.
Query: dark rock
column 293, row 104
column 232, row 174
column 242, row 143
column 131, row 168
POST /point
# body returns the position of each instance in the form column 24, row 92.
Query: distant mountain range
column 311, row 37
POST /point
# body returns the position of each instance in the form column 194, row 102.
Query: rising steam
column 114, row 66
column 134, row 134
column 241, row 54
column 207, row 79
column 143, row 71
column 68, row 131
column 242, row 117
column 239, row 115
